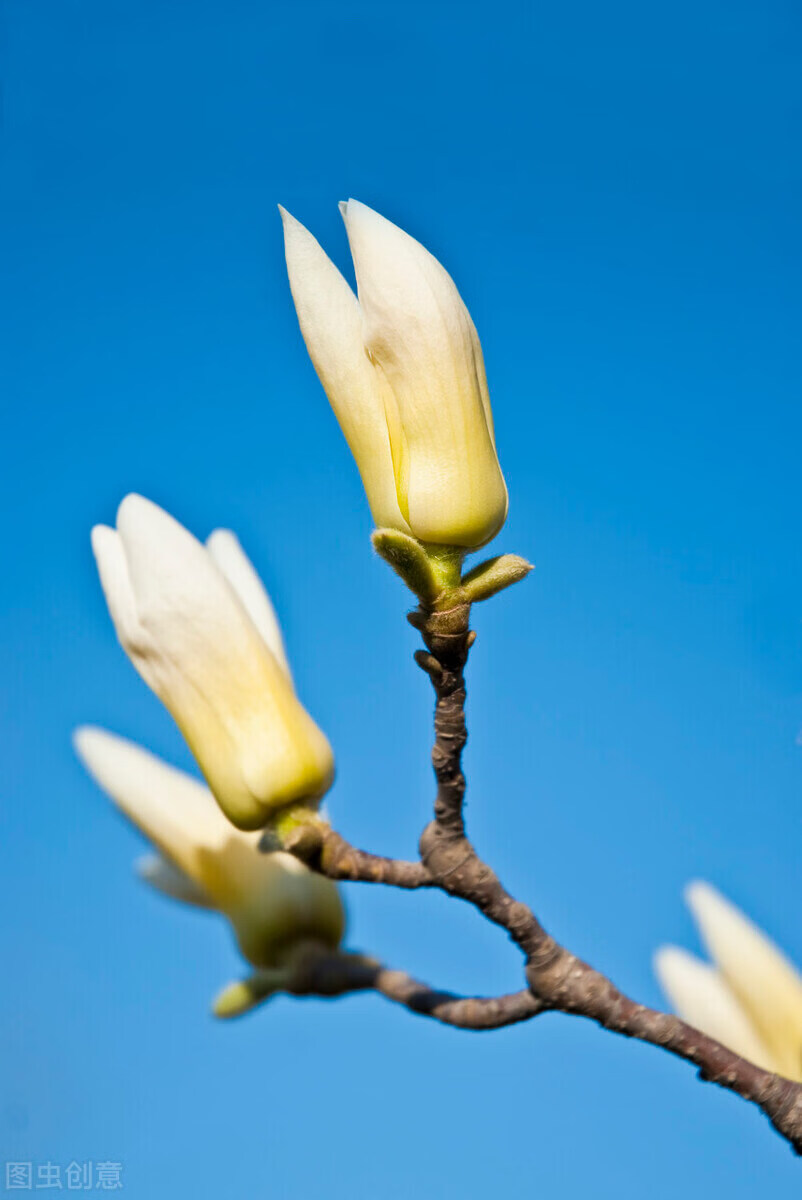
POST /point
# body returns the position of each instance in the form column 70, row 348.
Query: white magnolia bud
column 749, row 999
column 272, row 901
column 701, row 997
column 403, row 370
column 201, row 631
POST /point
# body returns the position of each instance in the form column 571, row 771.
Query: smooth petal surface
column 194, row 643
column 700, row 996
column 765, row 983
column 175, row 812
column 226, row 551
column 423, row 343
column 116, row 583
column 285, row 905
column 331, row 325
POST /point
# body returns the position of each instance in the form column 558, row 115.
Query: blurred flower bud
column 750, row 999
column 273, row 902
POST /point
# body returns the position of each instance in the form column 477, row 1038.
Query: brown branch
column 326, row 851
column 322, row 974
column 559, row 981
column 448, row 640
column 566, row 984
column 340, row 860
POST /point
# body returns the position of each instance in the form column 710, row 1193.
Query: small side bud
column 409, row 559
column 493, row 576
column 428, row 663
column 243, row 995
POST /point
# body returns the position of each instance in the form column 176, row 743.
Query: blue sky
column 616, row 191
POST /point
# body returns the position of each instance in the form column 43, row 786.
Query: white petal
column 212, row 664
column 331, row 324
column 181, row 596
column 225, row 549
column 419, row 334
column 700, row 996
column 177, row 813
column 115, row 581
column 768, row 987
column 271, row 900
column 203, row 656
column 171, row 881
column 284, row 903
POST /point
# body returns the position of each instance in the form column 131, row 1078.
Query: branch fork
column 556, row 979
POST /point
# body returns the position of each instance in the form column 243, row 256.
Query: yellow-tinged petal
column 226, row 551
column 699, row 994
column 423, row 343
column 282, row 906
column 331, row 325
column 174, row 811
column 765, row 983
column 272, row 900
column 194, row 643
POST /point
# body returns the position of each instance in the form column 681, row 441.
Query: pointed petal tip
column 131, row 501
column 288, row 220
column 667, row 959
column 99, row 751
column 100, row 534
column 135, row 505
column 223, row 537
column 88, row 738
column 135, row 511
column 351, row 208
column 83, row 737
column 702, row 896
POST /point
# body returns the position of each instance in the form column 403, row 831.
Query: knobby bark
column 335, row 974
column 557, row 980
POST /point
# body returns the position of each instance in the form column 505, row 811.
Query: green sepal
column 493, row 576
column 409, row 559
column 243, row 995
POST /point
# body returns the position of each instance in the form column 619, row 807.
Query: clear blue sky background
column 616, row 190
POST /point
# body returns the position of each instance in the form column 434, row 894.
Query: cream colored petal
column 283, row 905
column 420, row 336
column 331, row 324
column 205, row 659
column 115, row 581
column 165, row 877
column 272, row 900
column 700, row 996
column 767, row 986
column 224, row 547
column 182, row 598
column 177, row 813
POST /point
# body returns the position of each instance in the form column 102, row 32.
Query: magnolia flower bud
column 200, row 630
column 403, row 370
column 272, row 901
column 750, row 999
